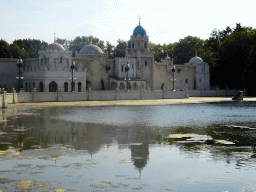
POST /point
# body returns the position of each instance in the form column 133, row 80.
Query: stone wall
column 34, row 96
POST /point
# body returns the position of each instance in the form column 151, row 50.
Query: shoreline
column 191, row 100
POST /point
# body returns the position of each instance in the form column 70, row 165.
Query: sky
column 165, row 21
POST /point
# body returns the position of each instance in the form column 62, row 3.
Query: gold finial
column 139, row 20
column 55, row 41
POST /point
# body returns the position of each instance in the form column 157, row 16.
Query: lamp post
column 173, row 80
column 72, row 66
column 127, row 67
column 19, row 65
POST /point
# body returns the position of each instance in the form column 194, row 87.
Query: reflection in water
column 139, row 133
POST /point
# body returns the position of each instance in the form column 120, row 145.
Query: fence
column 34, row 96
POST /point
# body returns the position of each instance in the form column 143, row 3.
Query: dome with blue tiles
column 139, row 30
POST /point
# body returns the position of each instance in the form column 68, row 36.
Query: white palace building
column 51, row 70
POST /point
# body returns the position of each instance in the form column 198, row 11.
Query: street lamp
column 127, row 67
column 173, row 80
column 72, row 66
column 19, row 65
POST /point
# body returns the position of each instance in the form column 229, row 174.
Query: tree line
column 230, row 53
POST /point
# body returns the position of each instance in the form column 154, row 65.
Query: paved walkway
column 134, row 102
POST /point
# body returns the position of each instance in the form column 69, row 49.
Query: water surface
column 186, row 147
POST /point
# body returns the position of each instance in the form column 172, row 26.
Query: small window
column 132, row 45
column 146, row 63
column 187, row 81
column 122, row 68
column 61, row 60
column 45, row 60
column 145, row 45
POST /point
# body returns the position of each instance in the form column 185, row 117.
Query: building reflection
column 44, row 129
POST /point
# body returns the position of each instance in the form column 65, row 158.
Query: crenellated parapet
column 52, row 68
column 125, row 59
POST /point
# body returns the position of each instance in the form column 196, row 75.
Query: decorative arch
column 53, row 86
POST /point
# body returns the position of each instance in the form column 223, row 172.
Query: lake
column 177, row 147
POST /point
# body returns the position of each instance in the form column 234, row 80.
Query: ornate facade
column 51, row 71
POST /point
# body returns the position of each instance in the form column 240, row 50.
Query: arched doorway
column 122, row 86
column 65, row 87
column 41, row 86
column 113, row 86
column 53, row 86
column 79, row 84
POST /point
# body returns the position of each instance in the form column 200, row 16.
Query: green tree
column 31, row 46
column 110, row 49
column 4, row 49
column 120, row 48
column 236, row 60
column 186, row 48
column 16, row 52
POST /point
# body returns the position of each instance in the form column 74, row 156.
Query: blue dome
column 139, row 30
column 167, row 58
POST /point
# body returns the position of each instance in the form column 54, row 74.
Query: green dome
column 139, row 30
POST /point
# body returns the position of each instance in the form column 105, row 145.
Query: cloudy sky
column 109, row 20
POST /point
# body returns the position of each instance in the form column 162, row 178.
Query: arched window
column 34, row 85
column 186, row 80
column 61, row 59
column 146, row 63
column 53, row 86
column 79, row 87
column 45, row 60
column 65, row 87
column 132, row 45
column 145, row 45
column 122, row 68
